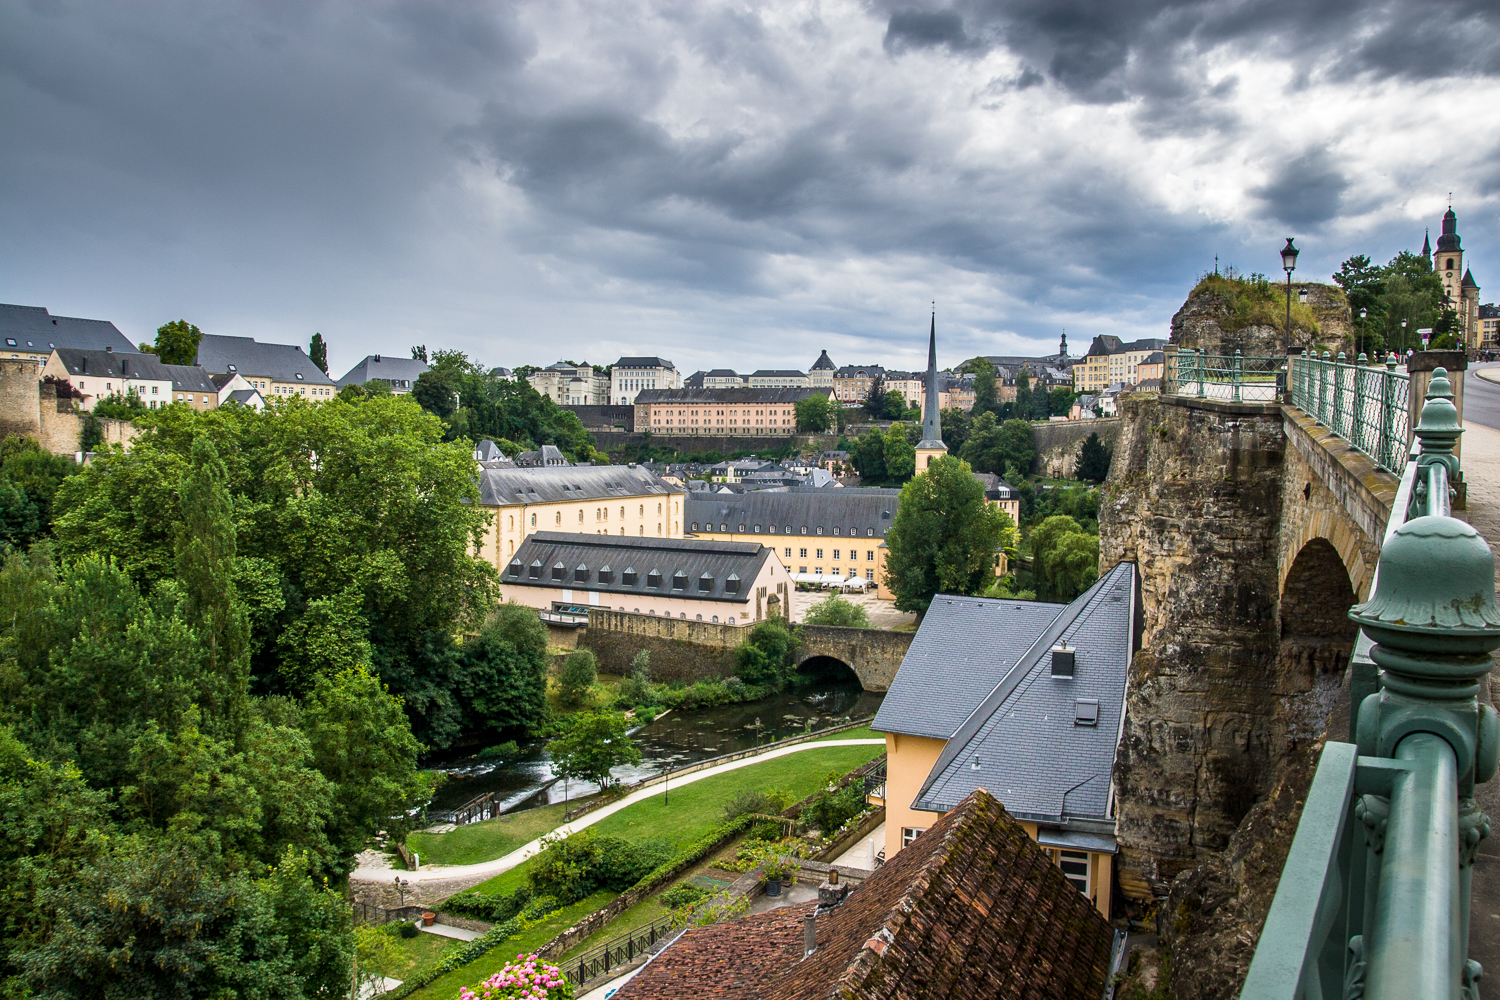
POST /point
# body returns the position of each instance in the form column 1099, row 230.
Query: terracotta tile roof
column 972, row 908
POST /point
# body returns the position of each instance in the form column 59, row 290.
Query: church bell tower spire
column 931, row 445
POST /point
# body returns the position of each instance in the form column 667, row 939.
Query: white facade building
column 629, row 376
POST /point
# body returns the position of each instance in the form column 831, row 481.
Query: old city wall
column 680, row 650
column 873, row 654
column 1058, row 443
column 30, row 407
column 614, row 442
column 19, row 409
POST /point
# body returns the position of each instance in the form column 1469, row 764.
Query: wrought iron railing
column 609, row 956
column 875, row 781
column 1366, row 404
column 1374, row 897
column 1233, row 378
column 369, row 913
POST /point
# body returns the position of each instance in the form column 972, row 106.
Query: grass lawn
column 416, row 954
column 694, row 810
column 483, row 841
column 862, row 733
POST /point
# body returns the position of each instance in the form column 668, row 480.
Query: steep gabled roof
column 973, row 908
column 108, row 363
column 543, row 484
column 650, row 567
column 1024, row 742
column 383, row 366
column 824, row 363
column 277, row 362
column 33, row 328
column 190, row 378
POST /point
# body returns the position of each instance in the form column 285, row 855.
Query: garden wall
column 680, row 650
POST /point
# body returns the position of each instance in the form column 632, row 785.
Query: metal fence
column 610, row 955
column 1233, row 378
column 1365, row 404
column 1375, row 895
column 369, row 913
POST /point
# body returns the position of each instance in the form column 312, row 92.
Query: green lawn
column 694, row 810
column 862, row 733
column 484, row 841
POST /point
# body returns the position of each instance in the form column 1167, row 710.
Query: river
column 681, row 737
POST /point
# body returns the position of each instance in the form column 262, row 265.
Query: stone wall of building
column 19, row 409
column 680, row 650
column 1058, row 443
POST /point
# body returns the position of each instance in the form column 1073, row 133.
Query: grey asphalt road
column 1481, row 398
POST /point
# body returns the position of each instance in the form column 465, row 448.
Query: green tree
column 504, row 675
column 579, row 672
column 983, row 449
column 985, row 400
column 329, row 637
column 317, row 351
column 944, row 536
column 437, row 392
column 29, row 478
column 177, row 342
column 1064, row 559
column 834, row 610
column 1023, row 404
column 1061, row 401
column 900, row 456
column 597, row 742
column 957, row 425
column 816, row 414
column 419, row 353
column 868, row 458
column 1093, row 459
column 362, row 743
column 205, row 553
column 875, row 398
column 1017, row 445
column 765, row 659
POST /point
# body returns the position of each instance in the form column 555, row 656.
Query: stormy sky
column 725, row 184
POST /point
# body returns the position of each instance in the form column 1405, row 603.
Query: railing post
column 1199, row 358
column 1433, row 621
column 1235, row 374
column 1338, row 426
column 1387, row 390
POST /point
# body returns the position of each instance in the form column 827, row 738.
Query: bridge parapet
column 1375, row 894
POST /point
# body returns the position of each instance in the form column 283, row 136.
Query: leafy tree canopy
column 835, row 610
column 177, row 342
column 817, row 414
column 597, row 742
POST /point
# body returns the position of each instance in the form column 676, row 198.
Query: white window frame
column 911, row 833
column 1075, row 857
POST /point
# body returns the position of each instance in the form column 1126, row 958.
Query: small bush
column 539, row 907
column 573, row 867
column 768, row 803
column 835, row 806
column 495, row 908
column 834, row 610
column 766, row 830
column 680, row 895
column 578, row 674
column 646, row 715
column 501, row 751
column 409, row 931
column 636, row 690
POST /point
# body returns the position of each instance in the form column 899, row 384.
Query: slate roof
column 190, row 378
column 107, row 363
column 245, row 397
column 964, row 647
column 861, row 513
column 652, row 567
column 33, row 328
column 383, row 367
column 824, row 363
column 996, row 488
column 746, row 395
column 860, row 371
column 972, row 908
column 499, row 487
column 777, row 373
column 1031, row 752
column 277, row 362
column 648, row 362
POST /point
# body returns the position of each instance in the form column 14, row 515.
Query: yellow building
column 277, row 371
column 1110, row 361
column 586, row 499
column 742, row 412
column 1025, row 700
column 99, row 374
column 1460, row 291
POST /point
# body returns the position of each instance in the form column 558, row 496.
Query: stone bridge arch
column 873, row 654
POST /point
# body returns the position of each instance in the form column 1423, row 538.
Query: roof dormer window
column 534, row 571
column 559, row 571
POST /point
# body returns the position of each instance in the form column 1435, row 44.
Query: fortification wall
column 20, row 412
column 1058, row 443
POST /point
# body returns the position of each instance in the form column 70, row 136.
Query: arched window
column 559, row 517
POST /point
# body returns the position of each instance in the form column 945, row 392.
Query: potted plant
column 779, row 872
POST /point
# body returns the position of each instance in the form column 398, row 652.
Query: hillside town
column 772, row 502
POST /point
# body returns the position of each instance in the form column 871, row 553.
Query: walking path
column 862, row 854
column 489, row 869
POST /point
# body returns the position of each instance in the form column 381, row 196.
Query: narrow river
column 681, row 737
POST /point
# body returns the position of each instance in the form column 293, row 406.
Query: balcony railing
column 1232, row 378
column 1365, row 404
column 1374, row 897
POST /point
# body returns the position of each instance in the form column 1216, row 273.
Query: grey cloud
column 1303, row 192
column 923, row 29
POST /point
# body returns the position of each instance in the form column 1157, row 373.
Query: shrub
column 835, row 806
column 646, row 715
column 409, row 931
column 579, row 672
column 492, row 907
column 636, row 690
column 573, row 867
column 526, row 977
column 766, row 657
column 501, row 751
column 680, row 895
column 834, row 610
column 768, row 803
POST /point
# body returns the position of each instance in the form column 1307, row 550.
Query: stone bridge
column 1255, row 529
column 684, row 650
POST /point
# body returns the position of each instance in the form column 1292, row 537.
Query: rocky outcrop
column 1223, row 315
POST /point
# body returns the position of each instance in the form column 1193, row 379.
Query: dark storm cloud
column 919, row 29
column 1112, row 50
column 1304, row 191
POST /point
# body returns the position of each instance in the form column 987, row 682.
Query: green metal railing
column 1365, row 404
column 1234, row 378
column 1374, row 897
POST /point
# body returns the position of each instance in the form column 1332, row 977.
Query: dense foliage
column 887, row 459
column 169, row 831
column 176, row 343
column 834, row 610
column 593, row 744
column 355, row 526
column 818, row 414
column 765, row 659
column 1093, row 459
column 1256, row 301
column 29, row 478
column 1065, row 558
column 996, row 447
column 570, row 868
column 474, row 403
column 1406, row 288
column 944, row 536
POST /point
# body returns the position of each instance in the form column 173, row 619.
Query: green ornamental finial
column 1436, row 590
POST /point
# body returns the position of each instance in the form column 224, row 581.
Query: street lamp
column 1362, row 314
column 1289, row 264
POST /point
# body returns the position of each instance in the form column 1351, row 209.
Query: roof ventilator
column 1062, row 661
column 1086, row 712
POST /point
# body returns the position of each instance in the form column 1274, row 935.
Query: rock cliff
column 1223, row 315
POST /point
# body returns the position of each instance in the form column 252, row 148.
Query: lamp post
column 1362, row 314
column 1289, row 264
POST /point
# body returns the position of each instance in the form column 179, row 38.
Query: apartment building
column 852, row 383
column 1110, row 360
column 743, row 412
column 31, row 332
column 279, row 371
column 820, row 375
column 630, row 376
column 773, row 379
column 572, row 385
column 398, row 373
column 101, row 374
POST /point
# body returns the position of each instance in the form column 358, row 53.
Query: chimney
column 107, row 347
column 1062, row 661
column 809, row 934
column 377, row 359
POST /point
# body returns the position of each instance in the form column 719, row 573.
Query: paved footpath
column 471, row 874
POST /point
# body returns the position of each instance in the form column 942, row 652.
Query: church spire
column 1427, row 243
column 931, row 444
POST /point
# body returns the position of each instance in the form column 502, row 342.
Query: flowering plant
column 527, row 978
